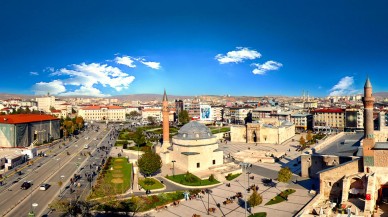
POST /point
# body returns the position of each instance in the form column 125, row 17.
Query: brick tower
column 369, row 140
column 166, row 124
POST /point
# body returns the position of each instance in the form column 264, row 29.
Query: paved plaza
column 219, row 194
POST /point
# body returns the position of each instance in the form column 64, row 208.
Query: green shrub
column 149, row 181
column 211, row 178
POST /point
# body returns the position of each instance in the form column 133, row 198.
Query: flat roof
column 346, row 145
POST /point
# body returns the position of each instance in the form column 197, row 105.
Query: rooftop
column 328, row 110
column 194, row 130
column 25, row 118
column 346, row 145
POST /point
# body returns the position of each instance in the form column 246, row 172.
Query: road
column 57, row 166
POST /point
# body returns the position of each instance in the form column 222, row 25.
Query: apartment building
column 329, row 119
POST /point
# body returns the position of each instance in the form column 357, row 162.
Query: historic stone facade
column 269, row 130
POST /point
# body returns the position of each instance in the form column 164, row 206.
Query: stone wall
column 312, row 164
column 331, row 179
column 238, row 133
column 381, row 158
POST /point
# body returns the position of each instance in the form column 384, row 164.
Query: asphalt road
column 49, row 170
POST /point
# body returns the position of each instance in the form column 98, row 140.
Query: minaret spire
column 166, row 121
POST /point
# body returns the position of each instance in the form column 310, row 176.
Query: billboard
column 206, row 113
column 351, row 119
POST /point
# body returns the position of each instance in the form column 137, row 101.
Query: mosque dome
column 194, row 130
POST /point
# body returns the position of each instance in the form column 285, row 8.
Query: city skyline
column 252, row 48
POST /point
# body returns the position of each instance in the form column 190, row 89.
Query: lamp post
column 248, row 173
column 208, row 191
column 62, row 176
column 32, row 211
column 245, row 167
column 173, row 168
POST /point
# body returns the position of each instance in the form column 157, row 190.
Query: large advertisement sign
column 351, row 119
column 206, row 113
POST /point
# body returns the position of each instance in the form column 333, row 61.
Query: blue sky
column 197, row 47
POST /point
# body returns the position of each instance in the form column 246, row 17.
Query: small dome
column 194, row 130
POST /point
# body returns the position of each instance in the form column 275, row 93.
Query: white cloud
column 153, row 65
column 34, row 73
column 261, row 69
column 54, row 87
column 85, row 91
column 86, row 76
column 125, row 60
column 343, row 87
column 238, row 55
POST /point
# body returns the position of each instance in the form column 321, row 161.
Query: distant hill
column 381, row 94
column 147, row 97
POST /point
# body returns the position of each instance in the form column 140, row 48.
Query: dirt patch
column 117, row 175
column 118, row 167
column 117, row 181
column 119, row 160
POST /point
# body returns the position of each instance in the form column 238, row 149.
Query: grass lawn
column 195, row 181
column 150, row 184
column 160, row 131
column 258, row 214
column 280, row 197
column 220, row 130
column 114, row 178
column 232, row 176
column 147, row 202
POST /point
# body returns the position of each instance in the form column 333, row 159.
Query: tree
column 302, row 141
column 136, row 205
column 79, row 121
column 309, row 136
column 149, row 163
column 134, row 115
column 255, row 199
column 151, row 120
column 183, row 117
column 248, row 118
column 284, row 174
column 139, row 137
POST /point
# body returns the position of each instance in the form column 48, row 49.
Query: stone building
column 23, row 130
column 268, row 130
column 194, row 148
column 362, row 182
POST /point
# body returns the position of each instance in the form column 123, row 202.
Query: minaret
column 368, row 101
column 368, row 142
column 166, row 122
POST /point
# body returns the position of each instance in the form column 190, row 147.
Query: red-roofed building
column 331, row 118
column 23, row 130
column 102, row 113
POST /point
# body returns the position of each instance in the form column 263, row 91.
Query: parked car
column 44, row 186
column 26, row 185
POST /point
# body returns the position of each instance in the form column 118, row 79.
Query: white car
column 86, row 138
column 86, row 146
column 44, row 186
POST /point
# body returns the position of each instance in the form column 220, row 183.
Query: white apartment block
column 152, row 112
column 45, row 103
column 102, row 113
column 217, row 112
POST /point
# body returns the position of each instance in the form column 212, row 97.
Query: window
column 214, row 161
column 198, row 165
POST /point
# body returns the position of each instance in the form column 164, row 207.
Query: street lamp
column 248, row 173
column 208, row 191
column 245, row 166
column 62, row 177
column 173, row 168
column 32, row 211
